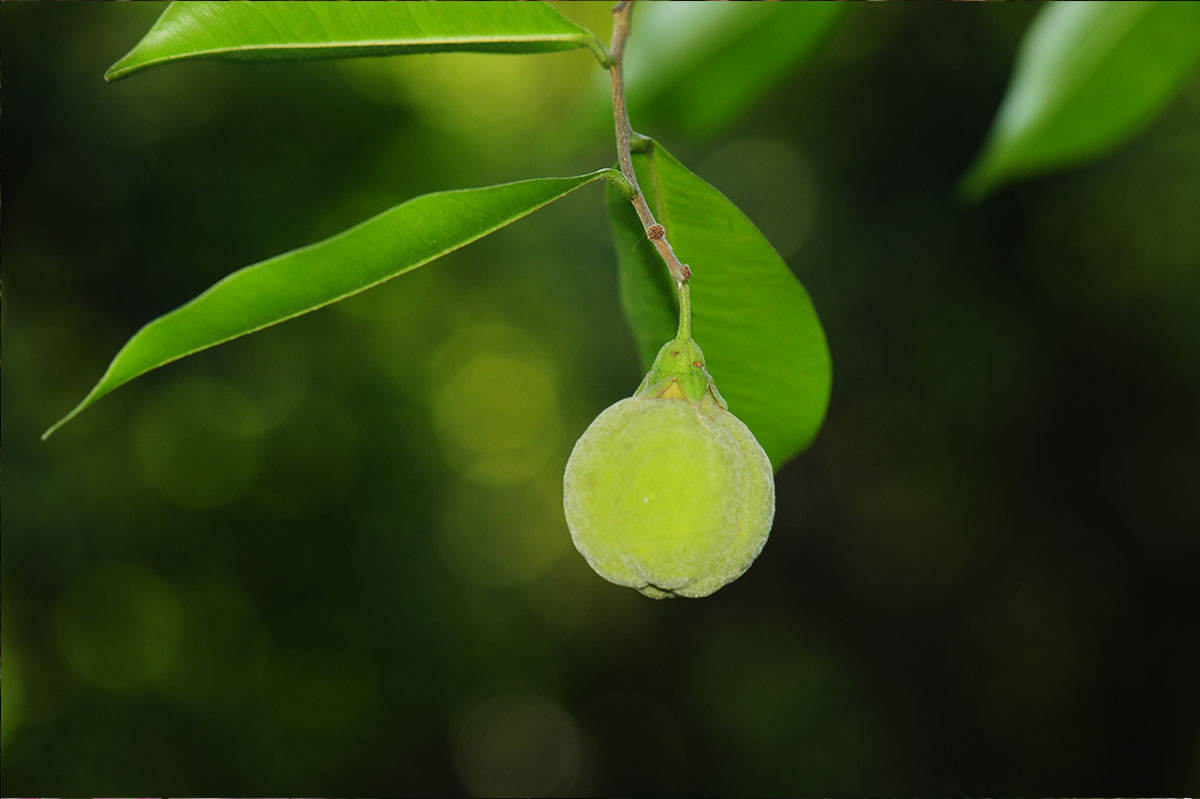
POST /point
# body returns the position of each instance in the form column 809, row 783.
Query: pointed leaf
column 394, row 242
column 698, row 66
column 762, row 341
column 257, row 31
column 1088, row 76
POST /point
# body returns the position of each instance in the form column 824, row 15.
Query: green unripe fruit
column 667, row 491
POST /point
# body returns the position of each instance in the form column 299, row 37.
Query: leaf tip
column 50, row 430
column 116, row 71
column 83, row 404
column 54, row 427
column 124, row 66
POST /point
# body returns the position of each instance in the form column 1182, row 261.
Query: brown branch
column 621, row 15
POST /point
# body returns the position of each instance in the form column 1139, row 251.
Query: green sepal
column 678, row 372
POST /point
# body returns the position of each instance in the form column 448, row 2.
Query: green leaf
column 394, row 242
column 762, row 341
column 698, row 66
column 258, row 31
column 1088, row 76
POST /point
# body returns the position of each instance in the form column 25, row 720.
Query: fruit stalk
column 684, row 292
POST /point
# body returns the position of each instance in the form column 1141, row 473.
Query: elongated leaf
column 394, row 242
column 698, row 66
column 1088, row 76
column 762, row 341
column 258, row 31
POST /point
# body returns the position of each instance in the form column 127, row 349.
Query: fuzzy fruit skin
column 758, row 513
column 668, row 492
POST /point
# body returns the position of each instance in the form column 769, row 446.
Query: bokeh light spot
column 12, row 698
column 197, row 443
column 496, row 413
column 790, row 709
column 222, row 649
column 518, row 745
column 772, row 183
column 118, row 625
column 496, row 536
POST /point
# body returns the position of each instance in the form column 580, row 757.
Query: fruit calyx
column 678, row 373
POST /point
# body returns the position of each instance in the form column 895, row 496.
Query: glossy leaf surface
column 1088, row 76
column 762, row 340
column 696, row 67
column 274, row 31
column 394, row 242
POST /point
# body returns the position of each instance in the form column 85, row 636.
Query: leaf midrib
column 344, row 45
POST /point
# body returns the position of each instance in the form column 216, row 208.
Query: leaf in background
column 762, row 341
column 257, row 31
column 394, row 242
column 1087, row 77
column 697, row 66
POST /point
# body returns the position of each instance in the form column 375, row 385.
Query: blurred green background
column 331, row 558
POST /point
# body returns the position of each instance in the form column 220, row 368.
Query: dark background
column 330, row 557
